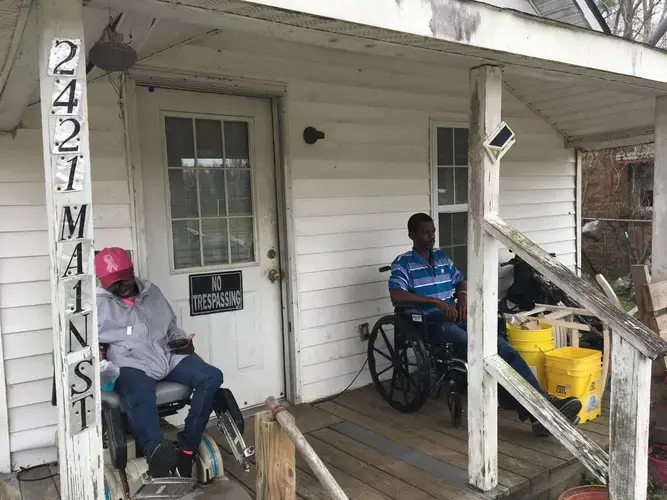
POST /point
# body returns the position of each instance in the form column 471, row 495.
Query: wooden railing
column 276, row 438
column 634, row 345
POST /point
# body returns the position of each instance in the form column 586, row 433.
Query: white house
column 232, row 87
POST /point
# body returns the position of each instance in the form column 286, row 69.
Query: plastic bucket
column 657, row 467
column 586, row 493
column 575, row 371
column 531, row 346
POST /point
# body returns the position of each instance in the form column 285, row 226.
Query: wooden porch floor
column 375, row 452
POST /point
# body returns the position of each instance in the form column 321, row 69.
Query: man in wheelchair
column 138, row 327
column 427, row 276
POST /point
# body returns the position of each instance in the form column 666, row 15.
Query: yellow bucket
column 531, row 346
column 575, row 371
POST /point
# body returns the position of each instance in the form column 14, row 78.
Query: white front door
column 210, row 207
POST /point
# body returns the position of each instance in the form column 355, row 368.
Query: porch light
column 499, row 141
column 311, row 135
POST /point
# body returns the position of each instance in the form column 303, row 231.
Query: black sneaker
column 569, row 407
column 162, row 460
column 184, row 464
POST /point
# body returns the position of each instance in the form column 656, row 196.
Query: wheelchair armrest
column 420, row 306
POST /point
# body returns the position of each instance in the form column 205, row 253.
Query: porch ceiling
column 591, row 106
column 18, row 47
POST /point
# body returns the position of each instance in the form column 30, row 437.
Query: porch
column 374, row 452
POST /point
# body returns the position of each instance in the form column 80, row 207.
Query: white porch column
column 62, row 75
column 483, row 193
column 659, row 244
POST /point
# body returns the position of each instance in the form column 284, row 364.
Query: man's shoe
column 162, row 460
column 569, row 407
column 184, row 463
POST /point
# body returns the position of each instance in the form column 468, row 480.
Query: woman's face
column 123, row 289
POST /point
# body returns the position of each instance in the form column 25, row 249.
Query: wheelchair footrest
column 163, row 488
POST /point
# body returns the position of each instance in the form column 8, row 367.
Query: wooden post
column 483, row 194
column 276, row 460
column 629, row 421
column 316, row 465
column 62, row 80
column 659, row 243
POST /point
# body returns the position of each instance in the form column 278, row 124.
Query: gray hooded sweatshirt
column 138, row 336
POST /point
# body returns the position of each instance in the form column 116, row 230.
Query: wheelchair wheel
column 398, row 364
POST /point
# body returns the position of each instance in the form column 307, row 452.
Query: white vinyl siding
column 354, row 191
column 25, row 312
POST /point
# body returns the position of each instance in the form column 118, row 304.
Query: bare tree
column 634, row 19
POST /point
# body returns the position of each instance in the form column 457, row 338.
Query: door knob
column 274, row 275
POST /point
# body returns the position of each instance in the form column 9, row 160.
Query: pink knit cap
column 112, row 265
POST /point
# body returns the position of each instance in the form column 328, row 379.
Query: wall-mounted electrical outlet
column 364, row 333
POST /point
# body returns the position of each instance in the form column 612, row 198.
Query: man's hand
column 462, row 307
column 448, row 309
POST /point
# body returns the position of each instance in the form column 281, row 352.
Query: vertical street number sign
column 74, row 248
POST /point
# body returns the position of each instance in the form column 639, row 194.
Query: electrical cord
column 25, row 470
column 332, row 398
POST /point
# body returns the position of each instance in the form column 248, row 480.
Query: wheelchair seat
column 166, row 393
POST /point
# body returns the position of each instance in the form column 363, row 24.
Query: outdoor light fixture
column 311, row 135
column 499, row 141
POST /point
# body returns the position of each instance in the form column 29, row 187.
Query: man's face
column 424, row 237
column 123, row 289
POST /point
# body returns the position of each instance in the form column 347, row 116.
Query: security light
column 499, row 141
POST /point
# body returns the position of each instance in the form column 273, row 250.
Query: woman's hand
column 189, row 348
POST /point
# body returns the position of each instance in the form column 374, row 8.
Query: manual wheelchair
column 407, row 368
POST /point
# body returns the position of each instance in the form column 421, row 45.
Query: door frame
column 277, row 94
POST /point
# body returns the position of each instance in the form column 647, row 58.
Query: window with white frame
column 210, row 192
column 450, row 182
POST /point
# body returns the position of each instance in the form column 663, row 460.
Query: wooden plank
column 513, row 459
column 641, row 337
column 659, row 232
column 630, row 415
column 66, row 158
column 375, row 478
column 309, row 418
column 306, row 485
column 657, row 295
column 405, row 472
column 590, row 454
column 457, row 459
column 483, row 195
column 275, row 460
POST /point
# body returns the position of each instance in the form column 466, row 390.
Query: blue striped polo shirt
column 410, row 272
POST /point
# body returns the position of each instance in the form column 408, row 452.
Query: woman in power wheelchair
column 411, row 352
column 159, row 374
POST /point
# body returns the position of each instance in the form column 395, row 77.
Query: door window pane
column 214, row 242
column 460, row 185
column 185, row 236
column 209, row 143
column 241, row 239
column 183, row 193
column 459, row 228
column 212, row 192
column 180, row 142
column 445, row 186
column 210, row 186
column 237, row 153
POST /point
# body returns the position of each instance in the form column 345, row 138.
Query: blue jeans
column 137, row 391
column 457, row 334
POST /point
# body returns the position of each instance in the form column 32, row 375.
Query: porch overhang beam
column 613, row 139
column 18, row 80
column 467, row 28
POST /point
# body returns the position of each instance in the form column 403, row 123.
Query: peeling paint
column 450, row 20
